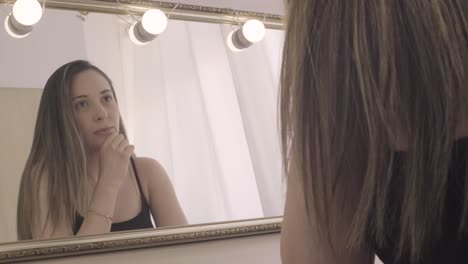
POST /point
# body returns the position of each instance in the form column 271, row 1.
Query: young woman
column 374, row 118
column 81, row 176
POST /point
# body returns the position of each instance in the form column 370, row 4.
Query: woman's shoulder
column 150, row 171
column 148, row 164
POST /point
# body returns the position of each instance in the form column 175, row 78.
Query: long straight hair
column 358, row 76
column 58, row 154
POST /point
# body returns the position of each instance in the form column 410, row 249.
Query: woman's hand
column 114, row 158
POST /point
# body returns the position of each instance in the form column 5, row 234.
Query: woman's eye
column 108, row 98
column 81, row 104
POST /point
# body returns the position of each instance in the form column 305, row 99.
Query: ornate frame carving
column 174, row 10
column 45, row 249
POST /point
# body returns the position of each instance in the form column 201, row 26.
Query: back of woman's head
column 361, row 79
column 57, row 151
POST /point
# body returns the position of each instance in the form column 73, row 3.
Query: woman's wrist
column 108, row 184
column 108, row 217
column 104, row 199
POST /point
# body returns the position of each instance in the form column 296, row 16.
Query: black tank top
column 141, row 221
column 448, row 248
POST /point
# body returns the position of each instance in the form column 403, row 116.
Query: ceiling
column 263, row 6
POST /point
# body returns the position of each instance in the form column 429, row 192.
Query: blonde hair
column 356, row 74
column 57, row 153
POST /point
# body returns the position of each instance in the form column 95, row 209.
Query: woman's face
column 94, row 108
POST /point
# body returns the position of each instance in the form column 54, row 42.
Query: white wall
column 27, row 63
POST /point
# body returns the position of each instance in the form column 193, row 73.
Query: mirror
column 207, row 114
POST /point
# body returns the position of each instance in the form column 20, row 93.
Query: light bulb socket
column 141, row 34
column 16, row 29
column 239, row 40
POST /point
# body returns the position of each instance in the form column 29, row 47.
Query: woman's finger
column 123, row 144
column 129, row 150
column 117, row 140
column 109, row 139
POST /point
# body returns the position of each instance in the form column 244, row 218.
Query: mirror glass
column 206, row 114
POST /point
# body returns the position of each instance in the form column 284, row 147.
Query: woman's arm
column 300, row 243
column 161, row 195
column 103, row 201
column 114, row 159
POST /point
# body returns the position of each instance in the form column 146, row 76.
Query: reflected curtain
column 207, row 114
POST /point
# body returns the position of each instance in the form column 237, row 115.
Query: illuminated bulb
column 251, row 32
column 26, row 13
column 153, row 23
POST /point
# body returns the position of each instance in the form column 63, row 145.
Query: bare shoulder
column 150, row 171
column 149, row 165
column 162, row 197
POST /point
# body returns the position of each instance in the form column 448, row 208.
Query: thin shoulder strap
column 138, row 181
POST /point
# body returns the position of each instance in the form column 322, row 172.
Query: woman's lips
column 104, row 132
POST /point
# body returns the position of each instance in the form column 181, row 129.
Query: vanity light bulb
column 27, row 12
column 253, row 30
column 154, row 21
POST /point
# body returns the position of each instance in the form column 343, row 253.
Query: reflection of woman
column 375, row 131
column 81, row 177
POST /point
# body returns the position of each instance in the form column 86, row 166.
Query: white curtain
column 207, row 114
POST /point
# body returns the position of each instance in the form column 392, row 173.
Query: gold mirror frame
column 174, row 10
column 44, row 249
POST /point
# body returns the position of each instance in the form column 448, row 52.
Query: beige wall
column 18, row 108
column 262, row 249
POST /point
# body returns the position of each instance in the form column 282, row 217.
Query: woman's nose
column 100, row 113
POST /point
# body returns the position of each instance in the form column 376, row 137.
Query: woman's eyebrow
column 84, row 95
column 79, row 96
